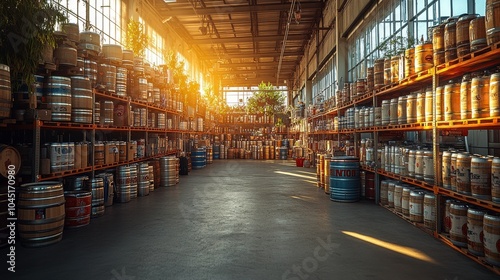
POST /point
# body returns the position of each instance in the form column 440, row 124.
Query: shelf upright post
column 92, row 134
column 435, row 152
column 36, row 150
column 375, row 155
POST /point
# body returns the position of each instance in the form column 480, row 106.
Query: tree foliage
column 267, row 100
column 27, row 27
column 136, row 38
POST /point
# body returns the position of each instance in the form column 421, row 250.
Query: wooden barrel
column 98, row 153
column 409, row 64
column 143, row 179
column 428, row 167
column 480, row 90
column 128, row 58
column 78, row 208
column 107, row 112
column 462, row 34
column 405, row 200
column 401, row 114
column 386, row 105
column 458, row 218
column 326, row 173
column 109, row 186
column 370, row 185
column 344, row 179
column 430, row 211
column 5, row 92
column 121, row 81
column 81, row 100
column 393, row 111
column 398, row 196
column 387, row 71
column 417, row 206
column 90, row 42
column 112, row 52
column 65, row 56
column 480, row 177
column 10, row 160
column 451, row 104
column 412, row 154
column 495, row 179
column 438, row 38
column 58, row 96
column 106, row 77
column 491, row 239
column 475, row 233
column 492, row 21
column 168, row 167
column 494, row 95
column 477, row 34
column 378, row 73
column 463, row 173
column 450, row 40
column 370, row 82
column 41, row 213
column 423, row 57
column 71, row 30
column 360, row 87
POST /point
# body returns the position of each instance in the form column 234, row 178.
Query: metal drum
column 344, row 179
column 96, row 186
column 463, row 173
column 438, row 44
column 58, row 97
column 428, row 167
column 283, row 153
column 122, row 184
column 446, row 169
column 477, row 34
column 393, row 111
column 386, row 117
column 77, row 208
column 384, row 188
column 81, row 100
column 419, row 165
column 428, row 105
column 475, row 232
column 495, row 180
column 411, row 108
column 402, row 118
column 430, row 211
column 420, row 107
column 417, row 206
column 168, row 167
column 40, row 213
column 133, row 181
column 465, row 98
column 480, row 177
column 390, row 193
column 397, row 197
column 491, row 231
column 198, row 158
column 71, row 30
column 405, row 201
column 143, row 179
column 409, row 62
column 458, row 218
column 151, row 178
column 109, row 187
column 453, row 171
column 439, row 103
column 90, row 71
column 98, row 153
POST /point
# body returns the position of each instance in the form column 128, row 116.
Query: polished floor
column 245, row 219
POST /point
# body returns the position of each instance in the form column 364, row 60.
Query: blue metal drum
column 216, row 151
column 283, row 153
column 199, row 158
column 345, row 183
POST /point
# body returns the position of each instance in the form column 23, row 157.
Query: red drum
column 78, row 208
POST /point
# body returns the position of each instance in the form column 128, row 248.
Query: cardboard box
column 38, row 114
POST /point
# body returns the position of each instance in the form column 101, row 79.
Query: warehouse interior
column 262, row 139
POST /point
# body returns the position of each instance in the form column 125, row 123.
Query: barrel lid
column 38, row 186
column 4, row 67
column 492, row 216
column 476, row 211
column 467, row 17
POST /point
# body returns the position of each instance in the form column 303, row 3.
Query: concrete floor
column 245, row 219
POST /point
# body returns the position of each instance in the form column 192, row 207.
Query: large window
column 412, row 19
column 324, row 85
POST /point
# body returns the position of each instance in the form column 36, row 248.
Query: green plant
column 136, row 38
column 396, row 45
column 27, row 27
column 267, row 100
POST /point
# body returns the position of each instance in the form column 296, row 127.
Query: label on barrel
column 345, row 173
column 40, row 214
